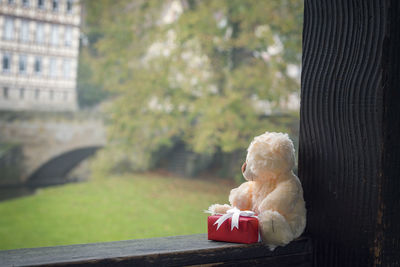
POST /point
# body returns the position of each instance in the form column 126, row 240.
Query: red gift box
column 247, row 232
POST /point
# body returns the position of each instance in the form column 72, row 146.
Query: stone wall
column 43, row 136
column 11, row 160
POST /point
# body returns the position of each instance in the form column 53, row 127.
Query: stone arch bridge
column 44, row 148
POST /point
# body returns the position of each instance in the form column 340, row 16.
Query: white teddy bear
column 273, row 191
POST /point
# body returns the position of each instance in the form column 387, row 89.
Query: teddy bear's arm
column 219, row 209
column 283, row 199
column 241, row 197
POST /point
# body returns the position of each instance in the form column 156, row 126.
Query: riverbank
column 109, row 209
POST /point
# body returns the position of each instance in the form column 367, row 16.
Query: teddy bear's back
column 294, row 212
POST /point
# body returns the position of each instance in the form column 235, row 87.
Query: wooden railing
column 164, row 251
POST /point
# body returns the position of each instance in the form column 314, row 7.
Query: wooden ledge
column 164, row 251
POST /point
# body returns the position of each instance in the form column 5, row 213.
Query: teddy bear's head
column 269, row 153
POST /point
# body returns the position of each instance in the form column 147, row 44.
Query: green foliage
column 101, row 210
column 90, row 93
column 198, row 79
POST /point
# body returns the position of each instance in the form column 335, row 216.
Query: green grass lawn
column 117, row 208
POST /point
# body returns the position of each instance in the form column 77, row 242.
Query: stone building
column 39, row 45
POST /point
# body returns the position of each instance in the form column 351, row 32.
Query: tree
column 209, row 73
column 90, row 93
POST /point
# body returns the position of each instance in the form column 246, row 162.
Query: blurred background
column 126, row 119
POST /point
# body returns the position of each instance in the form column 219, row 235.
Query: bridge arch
column 55, row 170
column 50, row 146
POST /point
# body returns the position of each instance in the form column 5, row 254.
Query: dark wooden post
column 349, row 151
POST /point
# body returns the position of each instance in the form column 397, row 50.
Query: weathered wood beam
column 165, row 251
column 349, row 148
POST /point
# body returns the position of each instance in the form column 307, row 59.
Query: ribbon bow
column 234, row 213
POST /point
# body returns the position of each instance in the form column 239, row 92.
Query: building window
column 21, row 93
column 22, row 64
column 25, row 3
column 69, row 6
column 54, row 34
column 40, row 4
column 8, row 29
column 24, row 34
column 37, row 93
column 38, row 65
column 55, row 5
column 53, row 67
column 65, row 96
column 51, row 94
column 39, row 33
column 5, row 92
column 10, row 2
column 6, row 62
column 67, row 68
column 68, row 36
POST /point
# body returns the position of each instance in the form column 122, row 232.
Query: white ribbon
column 234, row 213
